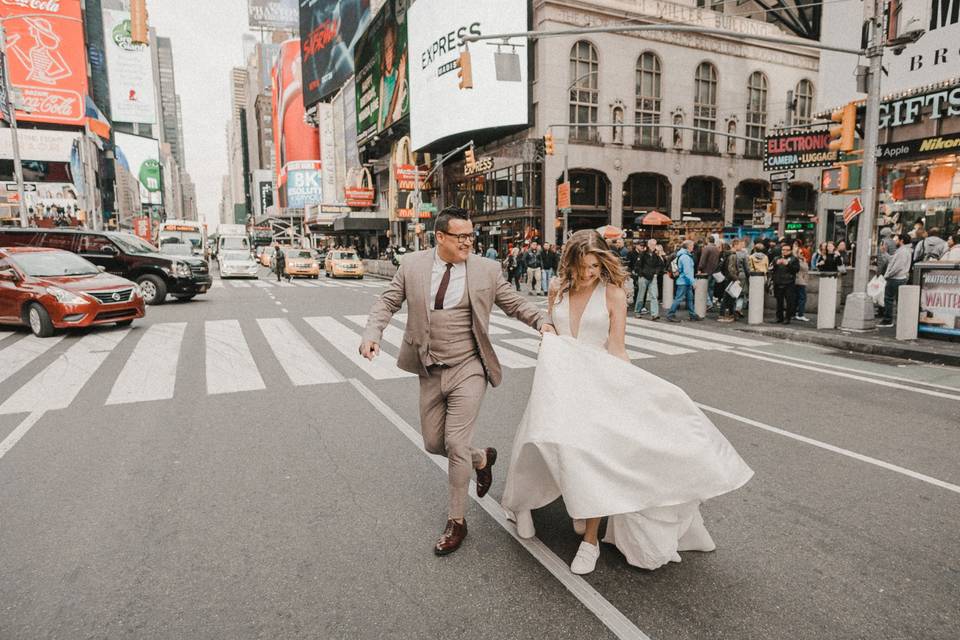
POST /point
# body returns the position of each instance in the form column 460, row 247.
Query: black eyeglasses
column 462, row 238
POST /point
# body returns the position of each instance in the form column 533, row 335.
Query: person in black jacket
column 279, row 261
column 550, row 261
column 651, row 264
column 630, row 263
column 785, row 269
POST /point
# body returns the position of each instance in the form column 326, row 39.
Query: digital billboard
column 130, row 71
column 280, row 15
column 382, row 71
column 141, row 157
column 293, row 139
column 328, row 32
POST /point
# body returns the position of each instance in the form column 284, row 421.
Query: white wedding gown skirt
column 615, row 440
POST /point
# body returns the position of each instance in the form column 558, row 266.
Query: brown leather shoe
column 452, row 538
column 485, row 475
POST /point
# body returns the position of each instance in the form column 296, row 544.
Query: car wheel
column 185, row 298
column 39, row 320
column 154, row 289
column 125, row 323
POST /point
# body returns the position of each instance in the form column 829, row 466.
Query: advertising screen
column 46, row 58
column 940, row 302
column 130, row 70
column 382, row 71
column 328, row 31
column 304, row 184
column 141, row 157
column 281, row 15
column 435, row 30
column 293, row 138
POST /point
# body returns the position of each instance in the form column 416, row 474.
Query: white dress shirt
column 457, row 286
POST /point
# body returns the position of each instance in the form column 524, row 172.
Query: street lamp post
column 10, row 110
column 566, row 156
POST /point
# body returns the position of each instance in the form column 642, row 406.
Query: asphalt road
column 227, row 469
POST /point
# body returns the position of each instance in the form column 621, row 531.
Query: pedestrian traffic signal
column 841, row 136
column 465, row 72
column 471, row 159
column 835, row 179
column 772, row 209
column 548, row 148
column 139, row 32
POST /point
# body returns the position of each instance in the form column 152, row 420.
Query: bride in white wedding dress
column 611, row 438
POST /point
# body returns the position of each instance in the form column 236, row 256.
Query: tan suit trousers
column 450, row 399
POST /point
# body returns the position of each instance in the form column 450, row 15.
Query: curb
column 851, row 343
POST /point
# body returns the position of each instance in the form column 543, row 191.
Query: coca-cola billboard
column 46, row 57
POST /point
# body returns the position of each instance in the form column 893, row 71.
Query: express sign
column 798, row 150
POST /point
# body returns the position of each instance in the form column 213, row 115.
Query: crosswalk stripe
column 236, row 284
column 347, row 342
column 348, row 285
column 529, row 344
column 656, row 347
column 263, row 284
column 57, row 385
column 304, row 283
column 676, row 339
column 516, row 325
column 230, row 365
column 512, row 359
column 21, row 353
column 304, row 366
column 151, row 371
column 5, row 334
column 492, row 329
column 286, row 285
column 700, row 333
column 391, row 335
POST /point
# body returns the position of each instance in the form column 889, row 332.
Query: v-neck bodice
column 594, row 326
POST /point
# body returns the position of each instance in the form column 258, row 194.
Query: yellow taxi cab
column 340, row 263
column 300, row 262
column 265, row 256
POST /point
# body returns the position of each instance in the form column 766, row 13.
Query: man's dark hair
column 444, row 217
column 934, row 232
column 905, row 238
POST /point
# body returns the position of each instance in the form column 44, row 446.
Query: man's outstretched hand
column 548, row 328
column 369, row 349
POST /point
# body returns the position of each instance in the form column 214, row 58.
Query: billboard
column 303, row 184
column 940, row 301
column 47, row 59
column 130, row 71
column 141, row 157
column 293, row 139
column 42, row 145
column 382, row 71
column 279, row 15
column 329, row 30
column 798, row 150
column 436, row 29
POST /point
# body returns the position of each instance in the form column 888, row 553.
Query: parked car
column 266, row 257
column 124, row 255
column 49, row 289
column 237, row 264
column 300, row 262
column 343, row 264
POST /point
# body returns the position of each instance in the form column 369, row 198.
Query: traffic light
column 772, row 209
column 139, row 33
column 465, row 72
column 841, row 136
column 471, row 158
column 836, row 178
column 548, row 148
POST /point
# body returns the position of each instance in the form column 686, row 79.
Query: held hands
column 369, row 349
column 548, row 328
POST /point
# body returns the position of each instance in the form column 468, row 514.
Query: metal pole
column 785, row 184
column 566, row 179
column 17, row 164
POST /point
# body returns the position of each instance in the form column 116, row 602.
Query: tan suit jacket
column 486, row 286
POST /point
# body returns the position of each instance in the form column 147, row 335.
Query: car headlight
column 65, row 296
column 137, row 292
column 182, row 269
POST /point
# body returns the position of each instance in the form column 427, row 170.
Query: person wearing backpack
column 682, row 269
column 931, row 247
column 732, row 284
column 897, row 274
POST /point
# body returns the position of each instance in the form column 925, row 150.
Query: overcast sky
column 206, row 38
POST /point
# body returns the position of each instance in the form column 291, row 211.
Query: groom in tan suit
column 450, row 292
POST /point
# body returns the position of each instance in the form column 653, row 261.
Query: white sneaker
column 525, row 528
column 579, row 526
column 586, row 560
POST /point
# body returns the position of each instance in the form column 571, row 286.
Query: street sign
column 853, row 209
column 761, row 213
column 563, row 195
column 782, row 176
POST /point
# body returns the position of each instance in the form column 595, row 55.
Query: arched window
column 804, row 102
column 705, row 107
column 648, row 100
column 584, row 95
column 756, row 113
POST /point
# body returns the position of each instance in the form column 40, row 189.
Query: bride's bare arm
column 617, row 304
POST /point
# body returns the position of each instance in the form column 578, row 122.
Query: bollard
column 667, row 292
column 700, row 296
column 827, row 303
column 908, row 312
column 756, row 300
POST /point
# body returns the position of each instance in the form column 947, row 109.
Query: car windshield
column 303, row 255
column 130, row 243
column 239, row 256
column 177, row 249
column 234, row 244
column 345, row 255
column 53, row 263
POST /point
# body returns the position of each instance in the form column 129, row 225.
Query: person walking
column 636, row 250
column 803, row 278
column 743, row 260
column 648, row 267
column 534, row 263
column 684, row 273
column 897, row 274
column 513, row 266
column 279, row 261
column 549, row 261
column 785, row 269
column 732, row 285
column 708, row 265
column 491, row 253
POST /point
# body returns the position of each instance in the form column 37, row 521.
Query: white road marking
column 829, row 447
column 492, row 329
column 230, row 365
column 21, row 430
column 511, row 359
column 21, row 353
column 513, row 324
column 656, row 347
column 57, row 385
column 6, row 334
column 347, row 342
column 391, row 335
column 529, row 344
column 348, row 285
column 697, row 333
column 610, row 616
column 285, row 285
column 151, row 371
column 304, row 366
column 263, row 284
column 693, row 343
column 862, row 378
column 237, row 284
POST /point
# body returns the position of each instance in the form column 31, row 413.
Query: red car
column 49, row 289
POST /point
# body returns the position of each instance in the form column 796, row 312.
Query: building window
column 648, row 100
column 705, row 108
column 756, row 113
column 804, row 102
column 584, row 94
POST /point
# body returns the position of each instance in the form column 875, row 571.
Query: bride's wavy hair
column 580, row 245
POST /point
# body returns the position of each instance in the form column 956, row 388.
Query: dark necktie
column 442, row 291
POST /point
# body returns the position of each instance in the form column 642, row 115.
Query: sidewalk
column 880, row 342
